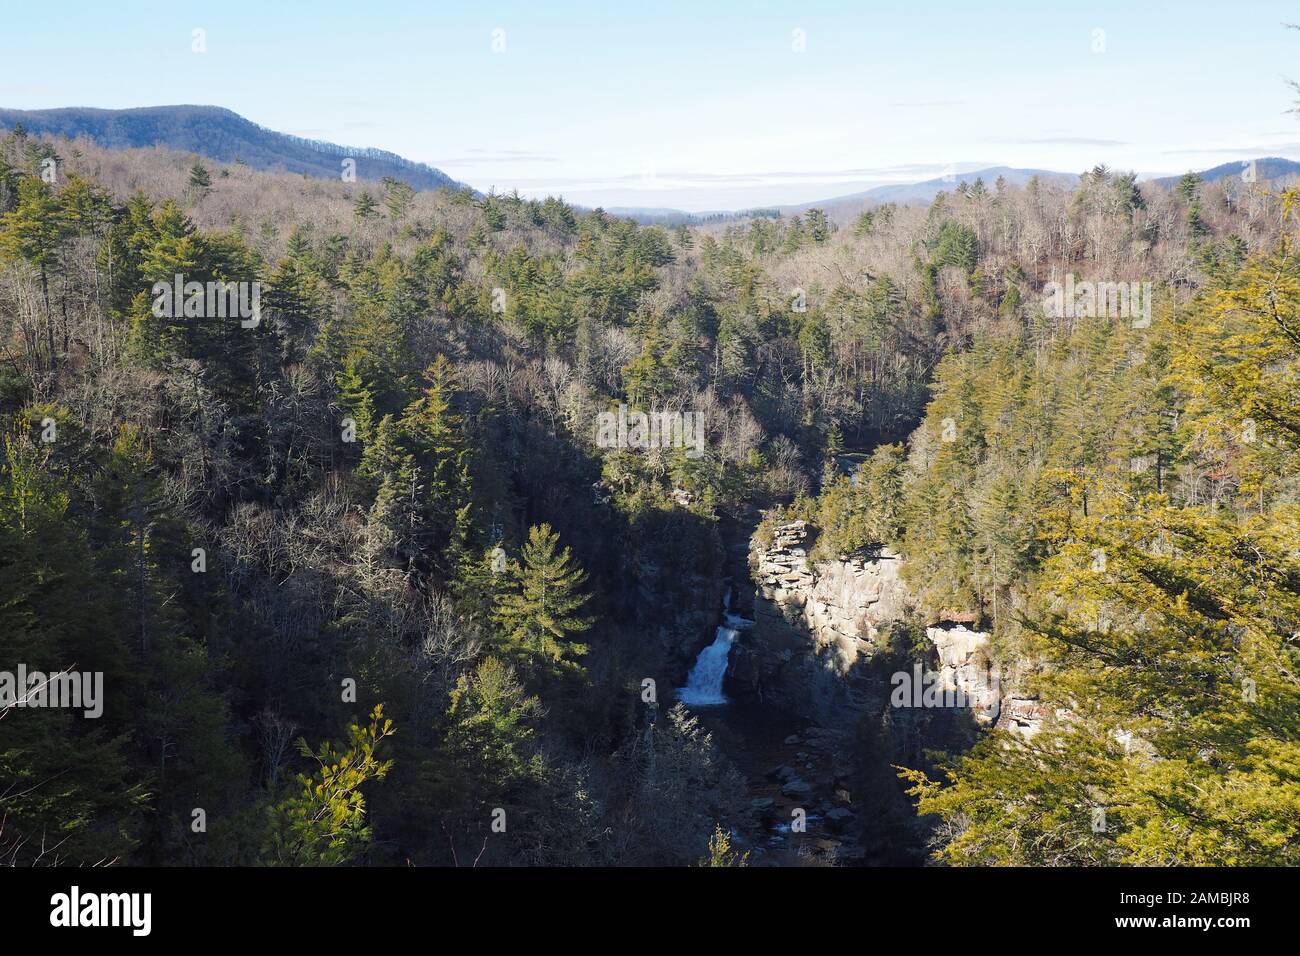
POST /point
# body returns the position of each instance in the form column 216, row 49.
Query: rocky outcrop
column 815, row 624
column 964, row 667
column 844, row 603
column 845, row 599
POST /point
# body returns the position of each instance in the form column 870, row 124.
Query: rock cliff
column 817, row 624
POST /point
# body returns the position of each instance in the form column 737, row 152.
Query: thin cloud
column 1268, row 148
column 478, row 156
column 652, row 179
column 27, row 89
column 1062, row 141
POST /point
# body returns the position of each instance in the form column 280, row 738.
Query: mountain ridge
column 223, row 135
column 1264, row 167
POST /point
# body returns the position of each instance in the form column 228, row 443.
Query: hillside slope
column 225, row 136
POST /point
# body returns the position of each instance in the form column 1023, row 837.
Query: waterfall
column 704, row 682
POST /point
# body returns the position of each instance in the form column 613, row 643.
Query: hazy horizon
column 698, row 110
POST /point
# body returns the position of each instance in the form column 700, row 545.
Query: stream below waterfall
column 759, row 741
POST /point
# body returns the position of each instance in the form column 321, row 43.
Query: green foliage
column 200, row 179
column 1174, row 660
column 321, row 821
column 515, row 686
column 818, row 226
column 36, row 229
column 491, row 733
column 721, row 853
column 365, row 207
column 862, row 514
column 1164, row 623
column 539, row 615
column 398, row 197
column 67, row 791
column 956, row 246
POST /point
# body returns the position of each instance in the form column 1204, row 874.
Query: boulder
column 839, row 819
column 797, row 788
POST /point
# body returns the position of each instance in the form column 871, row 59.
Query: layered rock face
column 842, row 603
column 814, row 624
column 964, row 666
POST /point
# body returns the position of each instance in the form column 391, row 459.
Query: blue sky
column 695, row 105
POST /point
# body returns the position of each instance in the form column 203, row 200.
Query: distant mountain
column 1270, row 167
column 924, row 192
column 650, row 215
column 842, row 208
column 223, row 135
column 661, row 216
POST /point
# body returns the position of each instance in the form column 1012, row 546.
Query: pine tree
column 819, row 227
column 398, row 516
column 721, row 852
column 490, row 730
column 364, row 207
column 433, row 432
column 540, row 615
column 68, row 791
column 1010, row 304
column 647, row 377
column 356, row 399
column 1165, row 630
column 1172, row 644
column 398, row 197
column 36, row 231
column 200, row 179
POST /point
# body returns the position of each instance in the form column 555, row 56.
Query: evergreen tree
column 398, row 197
column 364, row 207
column 721, row 852
column 68, row 792
column 200, row 179
column 36, row 231
column 540, row 616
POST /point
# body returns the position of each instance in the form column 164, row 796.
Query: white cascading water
column 704, row 682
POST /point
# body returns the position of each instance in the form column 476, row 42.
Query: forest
column 366, row 590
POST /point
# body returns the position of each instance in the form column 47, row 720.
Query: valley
column 483, row 529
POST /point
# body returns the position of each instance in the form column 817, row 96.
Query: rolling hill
column 225, row 136
column 1268, row 168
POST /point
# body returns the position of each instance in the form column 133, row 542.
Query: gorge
column 799, row 697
